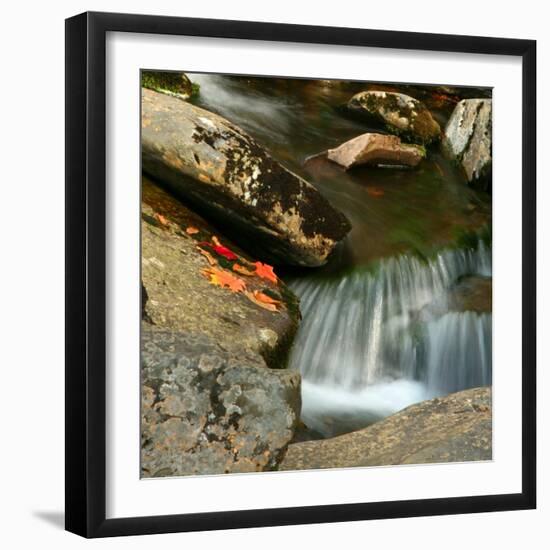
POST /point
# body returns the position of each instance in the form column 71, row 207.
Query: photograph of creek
column 316, row 274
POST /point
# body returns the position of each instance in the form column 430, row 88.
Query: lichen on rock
column 225, row 174
column 468, row 140
column 208, row 411
column 399, row 114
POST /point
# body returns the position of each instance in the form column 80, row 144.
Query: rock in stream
column 216, row 397
column 208, row 411
column 399, row 113
column 468, row 140
column 225, row 174
column 376, row 149
column 455, row 428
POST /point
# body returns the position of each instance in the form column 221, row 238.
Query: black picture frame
column 86, row 283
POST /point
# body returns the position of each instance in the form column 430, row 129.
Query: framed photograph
column 300, row 274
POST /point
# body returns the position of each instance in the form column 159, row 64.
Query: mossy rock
column 398, row 114
column 169, row 82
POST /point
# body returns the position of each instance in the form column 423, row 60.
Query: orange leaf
column 375, row 192
column 265, row 271
column 191, row 230
column 162, row 220
column 263, row 300
column 225, row 279
column 243, row 271
column 207, row 255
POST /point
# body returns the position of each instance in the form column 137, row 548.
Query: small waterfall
column 370, row 344
column 458, row 352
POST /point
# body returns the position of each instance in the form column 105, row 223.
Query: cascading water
column 372, row 343
column 384, row 335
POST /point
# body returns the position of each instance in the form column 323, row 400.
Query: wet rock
column 472, row 293
column 455, row 428
column 168, row 82
column 399, row 113
column 374, row 150
column 468, row 140
column 177, row 294
column 206, row 410
column 224, row 173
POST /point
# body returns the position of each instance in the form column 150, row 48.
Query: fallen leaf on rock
column 243, row 270
column 161, row 219
column 263, row 300
column 225, row 279
column 375, row 192
column 225, row 252
column 207, row 255
column 265, row 271
column 218, row 248
column 191, row 230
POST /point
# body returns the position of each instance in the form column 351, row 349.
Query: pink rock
column 374, row 149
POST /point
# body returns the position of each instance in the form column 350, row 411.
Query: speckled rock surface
column 455, row 428
column 375, row 149
column 399, row 113
column 208, row 411
column 181, row 298
column 468, row 139
column 225, row 174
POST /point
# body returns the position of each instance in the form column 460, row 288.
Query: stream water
column 378, row 330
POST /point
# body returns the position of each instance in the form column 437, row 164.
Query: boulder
column 220, row 170
column 455, row 428
column 180, row 296
column 207, row 411
column 168, row 82
column 213, row 323
column 468, row 140
column 376, row 149
column 399, row 113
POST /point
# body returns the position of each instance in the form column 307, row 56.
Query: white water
column 370, row 344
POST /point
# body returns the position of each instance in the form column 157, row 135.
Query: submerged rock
column 168, row 82
column 222, row 171
column 399, row 113
column 455, row 428
column 208, row 411
column 472, row 293
column 376, row 149
column 179, row 296
column 468, row 140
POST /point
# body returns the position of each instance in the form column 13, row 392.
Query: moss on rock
column 169, row 82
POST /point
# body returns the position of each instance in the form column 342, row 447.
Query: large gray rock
column 208, row 411
column 455, row 428
column 220, row 169
column 468, row 139
column 376, row 149
column 399, row 113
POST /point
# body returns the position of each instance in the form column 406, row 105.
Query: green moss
column 169, row 82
